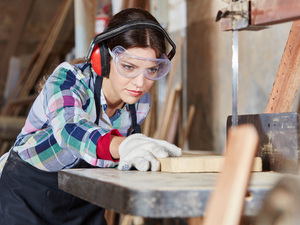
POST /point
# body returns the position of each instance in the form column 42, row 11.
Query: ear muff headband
column 126, row 27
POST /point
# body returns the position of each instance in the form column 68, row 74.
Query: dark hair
column 139, row 37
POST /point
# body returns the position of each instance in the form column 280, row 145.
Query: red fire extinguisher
column 102, row 18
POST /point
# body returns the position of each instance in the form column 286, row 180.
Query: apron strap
column 136, row 127
column 97, row 92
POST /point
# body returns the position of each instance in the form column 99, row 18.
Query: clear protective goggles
column 131, row 66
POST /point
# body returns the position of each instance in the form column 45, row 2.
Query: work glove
column 141, row 152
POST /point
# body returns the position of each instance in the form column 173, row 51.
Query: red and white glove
column 141, row 152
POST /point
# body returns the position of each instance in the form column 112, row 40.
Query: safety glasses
column 131, row 66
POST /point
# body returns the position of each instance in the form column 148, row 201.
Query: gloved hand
column 141, row 152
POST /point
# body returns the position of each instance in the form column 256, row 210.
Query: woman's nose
column 139, row 80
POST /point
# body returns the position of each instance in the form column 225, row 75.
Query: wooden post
column 13, row 42
column 84, row 25
column 287, row 80
column 64, row 9
column 187, row 128
column 171, row 78
column 225, row 205
column 6, row 110
column 270, row 12
column 267, row 12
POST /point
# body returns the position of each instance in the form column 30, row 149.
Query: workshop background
column 34, row 39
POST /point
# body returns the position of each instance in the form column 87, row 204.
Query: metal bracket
column 238, row 13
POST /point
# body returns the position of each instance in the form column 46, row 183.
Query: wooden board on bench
column 199, row 162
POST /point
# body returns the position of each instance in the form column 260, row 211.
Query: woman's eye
column 153, row 70
column 127, row 67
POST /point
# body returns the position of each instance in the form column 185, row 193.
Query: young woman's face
column 130, row 90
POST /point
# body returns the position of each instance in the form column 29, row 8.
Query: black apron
column 31, row 196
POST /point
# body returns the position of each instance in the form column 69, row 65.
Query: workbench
column 157, row 194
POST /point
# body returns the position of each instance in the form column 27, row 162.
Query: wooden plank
column 165, row 125
column 149, row 125
column 191, row 163
column 25, row 74
column 267, row 12
column 110, row 217
column 287, row 80
column 270, row 12
column 13, row 42
column 6, row 110
column 172, row 131
column 187, row 128
column 171, row 78
column 225, row 205
column 156, row 194
column 126, row 219
column 10, row 127
column 23, row 101
column 64, row 9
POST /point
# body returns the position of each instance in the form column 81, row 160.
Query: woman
column 85, row 117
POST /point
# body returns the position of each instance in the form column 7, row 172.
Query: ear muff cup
column 100, row 60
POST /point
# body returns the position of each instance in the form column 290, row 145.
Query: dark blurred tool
column 278, row 139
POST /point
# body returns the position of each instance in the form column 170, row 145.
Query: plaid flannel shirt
column 60, row 127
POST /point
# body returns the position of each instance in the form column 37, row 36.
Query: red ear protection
column 96, row 60
column 100, row 59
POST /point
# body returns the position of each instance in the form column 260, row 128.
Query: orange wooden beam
column 226, row 203
column 287, row 80
column 269, row 12
column 266, row 12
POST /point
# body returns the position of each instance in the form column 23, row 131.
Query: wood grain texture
column 13, row 41
column 45, row 51
column 266, row 12
column 287, row 80
column 189, row 163
column 269, row 12
column 157, row 194
column 225, row 205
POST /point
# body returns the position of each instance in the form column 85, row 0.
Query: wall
column 210, row 74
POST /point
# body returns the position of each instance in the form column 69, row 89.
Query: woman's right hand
column 140, row 151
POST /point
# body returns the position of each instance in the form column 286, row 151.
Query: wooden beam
column 287, row 80
column 171, row 78
column 10, row 127
column 267, row 12
column 7, row 110
column 64, row 9
column 165, row 125
column 199, row 163
column 23, row 101
column 13, row 42
column 46, row 50
column 225, row 205
column 187, row 128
